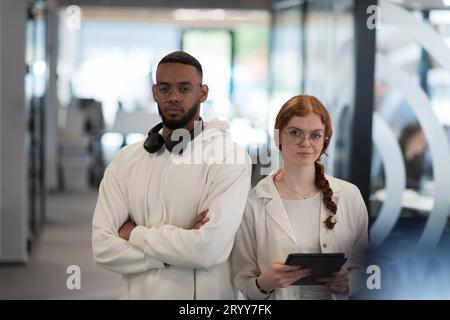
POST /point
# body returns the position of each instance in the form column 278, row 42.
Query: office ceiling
column 223, row 4
column 228, row 4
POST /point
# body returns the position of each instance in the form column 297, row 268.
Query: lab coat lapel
column 275, row 209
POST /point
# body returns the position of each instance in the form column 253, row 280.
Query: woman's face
column 302, row 140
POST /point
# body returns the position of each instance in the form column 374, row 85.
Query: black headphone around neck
column 155, row 140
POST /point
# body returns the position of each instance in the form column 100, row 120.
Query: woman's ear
column 204, row 93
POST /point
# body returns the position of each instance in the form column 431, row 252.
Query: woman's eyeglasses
column 297, row 136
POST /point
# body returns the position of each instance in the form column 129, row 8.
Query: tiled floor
column 64, row 241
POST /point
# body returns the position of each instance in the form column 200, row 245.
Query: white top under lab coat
column 162, row 259
column 266, row 234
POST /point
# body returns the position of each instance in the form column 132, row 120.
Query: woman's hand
column 199, row 220
column 338, row 283
column 280, row 275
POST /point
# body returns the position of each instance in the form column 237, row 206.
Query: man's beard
column 174, row 124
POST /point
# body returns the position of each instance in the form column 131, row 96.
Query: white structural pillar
column 13, row 148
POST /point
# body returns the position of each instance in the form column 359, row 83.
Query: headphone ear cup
column 154, row 142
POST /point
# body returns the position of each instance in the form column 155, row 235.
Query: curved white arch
column 436, row 138
column 417, row 30
column 423, row 34
column 394, row 169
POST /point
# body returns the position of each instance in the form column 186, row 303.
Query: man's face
column 178, row 92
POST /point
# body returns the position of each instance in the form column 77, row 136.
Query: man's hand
column 199, row 220
column 338, row 283
column 126, row 228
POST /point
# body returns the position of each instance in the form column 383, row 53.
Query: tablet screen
column 321, row 265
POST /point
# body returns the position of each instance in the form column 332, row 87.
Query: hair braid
column 322, row 184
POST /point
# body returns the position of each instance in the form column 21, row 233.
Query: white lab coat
column 163, row 259
column 266, row 235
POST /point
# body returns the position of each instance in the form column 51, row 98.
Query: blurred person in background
column 413, row 143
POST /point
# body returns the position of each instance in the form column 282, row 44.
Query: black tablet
column 321, row 265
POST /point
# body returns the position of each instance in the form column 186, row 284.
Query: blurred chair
column 80, row 155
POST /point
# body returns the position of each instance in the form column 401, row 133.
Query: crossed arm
column 110, row 251
column 129, row 225
column 153, row 247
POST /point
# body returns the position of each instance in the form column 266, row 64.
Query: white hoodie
column 163, row 259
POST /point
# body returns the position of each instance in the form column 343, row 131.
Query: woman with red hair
column 299, row 209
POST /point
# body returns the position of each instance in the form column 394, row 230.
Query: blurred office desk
column 411, row 199
column 413, row 216
column 134, row 122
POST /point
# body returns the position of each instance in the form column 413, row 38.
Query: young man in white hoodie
column 168, row 210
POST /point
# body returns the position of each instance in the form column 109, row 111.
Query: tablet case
column 321, row 265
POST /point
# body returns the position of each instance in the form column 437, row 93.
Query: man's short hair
column 183, row 58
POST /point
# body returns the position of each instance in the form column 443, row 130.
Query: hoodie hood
column 215, row 128
column 217, row 124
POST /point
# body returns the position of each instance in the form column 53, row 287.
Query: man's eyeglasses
column 297, row 136
column 183, row 91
